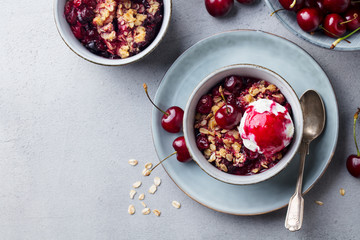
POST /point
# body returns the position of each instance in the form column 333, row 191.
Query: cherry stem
column 147, row 94
column 293, row 4
column 355, row 17
column 162, row 161
column 343, row 38
column 321, row 27
column 222, row 95
column 276, row 11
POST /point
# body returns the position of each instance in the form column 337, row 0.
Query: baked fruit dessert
column 243, row 126
column 114, row 28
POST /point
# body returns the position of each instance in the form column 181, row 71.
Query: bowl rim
column 186, row 128
column 115, row 62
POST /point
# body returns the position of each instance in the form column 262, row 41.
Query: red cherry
column 336, row 6
column 205, row 104
column 309, row 19
column 218, row 8
column 353, row 161
column 353, row 18
column 315, row 4
column 286, row 4
column 172, row 119
column 246, row 1
column 233, row 83
column 228, row 117
column 77, row 3
column 181, row 149
column 202, row 142
column 332, row 25
column 353, row 165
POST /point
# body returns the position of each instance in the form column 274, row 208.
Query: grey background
column 68, row 128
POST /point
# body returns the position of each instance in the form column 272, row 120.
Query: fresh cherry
column 202, row 142
column 315, row 4
column 218, row 8
column 336, row 6
column 181, row 149
column 227, row 116
column 172, row 119
column 332, row 25
column 289, row 4
column 353, row 161
column 205, row 104
column 309, row 19
column 352, row 16
column 233, row 83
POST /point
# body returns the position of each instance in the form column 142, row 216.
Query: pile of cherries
column 219, row 8
column 334, row 17
column 172, row 121
column 353, row 161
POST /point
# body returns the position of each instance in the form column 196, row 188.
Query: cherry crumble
column 114, row 28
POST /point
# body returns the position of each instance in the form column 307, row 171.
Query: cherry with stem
column 353, row 161
column 333, row 45
column 172, row 119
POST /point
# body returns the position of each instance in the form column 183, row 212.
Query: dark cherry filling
column 81, row 13
column 224, row 147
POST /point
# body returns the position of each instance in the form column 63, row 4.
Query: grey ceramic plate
column 277, row 54
column 288, row 19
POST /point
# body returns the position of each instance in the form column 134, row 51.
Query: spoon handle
column 294, row 216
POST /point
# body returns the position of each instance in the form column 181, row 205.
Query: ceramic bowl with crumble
column 243, row 124
column 112, row 32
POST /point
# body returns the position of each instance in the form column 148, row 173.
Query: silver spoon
column 314, row 122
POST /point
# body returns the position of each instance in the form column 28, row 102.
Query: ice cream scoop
column 266, row 127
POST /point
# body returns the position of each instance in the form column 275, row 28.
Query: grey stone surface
column 68, row 128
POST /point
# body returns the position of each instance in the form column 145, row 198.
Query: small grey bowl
column 70, row 40
column 248, row 70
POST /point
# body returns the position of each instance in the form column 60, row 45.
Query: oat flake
column 152, row 189
column 319, row 203
column 148, row 165
column 144, row 204
column 133, row 162
column 136, row 184
column 157, row 212
column 157, row 181
column 132, row 193
column 176, row 204
column 142, row 196
column 342, row 192
column 146, row 211
column 146, row 172
column 131, row 209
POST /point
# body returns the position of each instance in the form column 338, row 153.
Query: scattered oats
column 133, row 162
column 148, row 165
column 142, row 196
column 156, row 212
column 144, row 205
column 137, row 184
column 319, row 203
column 132, row 193
column 146, row 211
column 342, row 192
column 176, row 204
column 146, row 172
column 131, row 209
column 157, row 181
column 152, row 189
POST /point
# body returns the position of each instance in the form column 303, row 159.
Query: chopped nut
column 212, row 147
column 319, row 203
column 255, row 170
column 342, row 192
column 176, row 204
column 141, row 196
column 131, row 209
column 207, row 152
column 148, row 166
column 157, row 181
column 236, row 146
column 203, row 123
column 144, row 205
column 222, row 152
column 152, row 189
column 224, row 131
column 146, row 172
column 157, row 212
column 133, row 162
column 146, row 211
column 136, row 184
column 271, row 88
column 204, row 131
column 132, row 193
column 212, row 123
